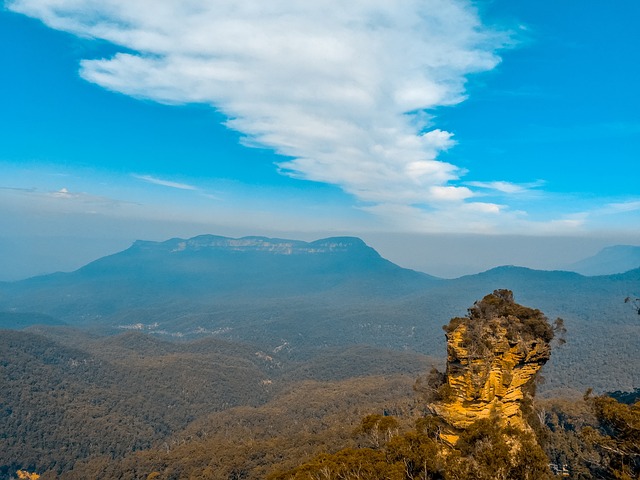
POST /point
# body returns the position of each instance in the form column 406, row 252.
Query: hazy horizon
column 445, row 256
column 453, row 136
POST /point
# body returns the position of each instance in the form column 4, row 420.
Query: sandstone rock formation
column 493, row 357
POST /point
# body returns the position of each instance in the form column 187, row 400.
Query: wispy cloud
column 82, row 198
column 165, row 183
column 64, row 193
column 507, row 187
column 622, row 207
column 340, row 88
column 593, row 216
column 18, row 189
column 63, row 200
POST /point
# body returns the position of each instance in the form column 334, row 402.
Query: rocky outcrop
column 493, row 357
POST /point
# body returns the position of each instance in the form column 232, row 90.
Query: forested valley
column 77, row 405
column 219, row 359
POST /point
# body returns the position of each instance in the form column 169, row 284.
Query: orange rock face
column 493, row 357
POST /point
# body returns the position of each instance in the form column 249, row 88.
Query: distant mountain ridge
column 259, row 244
column 609, row 260
column 247, row 259
column 211, row 269
column 299, row 296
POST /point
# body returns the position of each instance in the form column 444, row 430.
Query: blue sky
column 126, row 119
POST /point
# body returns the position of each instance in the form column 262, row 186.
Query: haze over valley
column 296, row 297
column 165, row 345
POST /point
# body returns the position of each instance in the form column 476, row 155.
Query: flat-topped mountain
column 210, row 269
column 258, row 244
column 250, row 255
column 258, row 264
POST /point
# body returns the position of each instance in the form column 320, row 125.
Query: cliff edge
column 493, row 357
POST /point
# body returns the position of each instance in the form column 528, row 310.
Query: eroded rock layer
column 493, row 357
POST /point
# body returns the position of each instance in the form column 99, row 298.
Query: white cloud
column 598, row 216
column 62, row 201
column 471, row 217
column 507, row 187
column 19, row 189
column 64, row 193
column 622, row 207
column 81, row 199
column 165, row 183
column 339, row 87
column 450, row 194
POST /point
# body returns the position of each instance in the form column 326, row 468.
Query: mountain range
column 609, row 260
column 294, row 297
